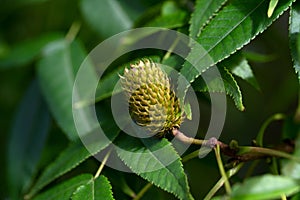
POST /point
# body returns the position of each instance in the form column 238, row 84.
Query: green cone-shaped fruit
column 152, row 102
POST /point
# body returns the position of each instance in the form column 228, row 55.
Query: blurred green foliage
column 27, row 26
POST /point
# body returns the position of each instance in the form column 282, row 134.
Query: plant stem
column 168, row 54
column 188, row 140
column 222, row 170
column 260, row 135
column 283, row 197
column 73, row 31
column 195, row 154
column 102, row 164
column 260, row 151
column 221, row 182
column 251, row 168
column 142, row 191
column 238, row 153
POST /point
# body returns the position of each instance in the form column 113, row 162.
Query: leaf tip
column 242, row 108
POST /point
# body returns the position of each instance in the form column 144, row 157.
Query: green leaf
column 99, row 189
column 204, row 11
column 235, row 25
column 106, row 85
column 166, row 14
column 173, row 61
column 290, row 128
column 156, row 161
column 27, row 139
column 56, row 72
column 84, row 192
column 296, row 197
column 174, row 20
column 230, row 85
column 171, row 16
column 117, row 179
column 258, row 57
column 291, row 168
column 265, row 187
column 238, row 65
column 103, row 189
column 272, row 6
column 169, row 7
column 67, row 160
column 294, row 31
column 25, row 52
column 188, row 111
column 64, row 190
column 75, row 154
column 97, row 13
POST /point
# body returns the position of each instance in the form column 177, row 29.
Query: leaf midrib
column 167, row 167
column 228, row 32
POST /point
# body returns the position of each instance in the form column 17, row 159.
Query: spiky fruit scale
column 152, row 102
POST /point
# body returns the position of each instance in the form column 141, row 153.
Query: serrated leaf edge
column 30, row 194
column 247, row 42
column 207, row 21
column 146, row 178
column 240, row 107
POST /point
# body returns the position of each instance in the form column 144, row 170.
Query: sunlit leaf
column 272, row 6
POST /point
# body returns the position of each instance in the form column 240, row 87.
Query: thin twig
column 73, row 31
column 143, row 191
column 283, row 197
column 102, row 164
column 240, row 153
column 189, row 140
column 195, row 154
column 251, row 169
column 222, row 170
column 253, row 153
column 170, row 50
column 221, row 182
